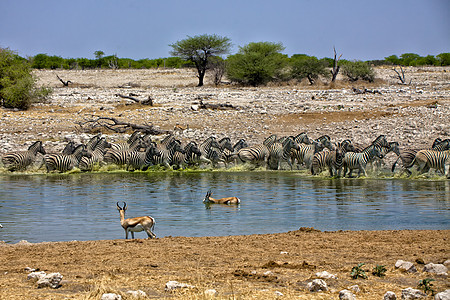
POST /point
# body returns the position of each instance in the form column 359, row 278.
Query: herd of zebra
column 140, row 152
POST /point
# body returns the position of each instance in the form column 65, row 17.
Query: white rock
column 389, row 296
column 52, row 280
column 355, row 288
column 211, row 293
column 447, row 262
column 346, row 295
column 278, row 294
column 439, row 269
column 405, row 266
column 36, row 275
column 137, row 294
column 317, row 285
column 442, row 295
column 325, row 275
column 173, row 285
column 111, row 296
column 410, row 293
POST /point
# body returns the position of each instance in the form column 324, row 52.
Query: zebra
column 325, row 140
column 229, row 155
column 302, row 138
column 137, row 160
column 20, row 160
column 122, row 146
column 393, row 147
column 98, row 154
column 380, row 141
column 189, row 156
column 204, row 148
column 333, row 160
column 439, row 160
column 279, row 152
column 270, row 140
column 64, row 163
column 119, row 157
column 257, row 154
column 407, row 156
column 353, row 160
column 164, row 155
column 305, row 153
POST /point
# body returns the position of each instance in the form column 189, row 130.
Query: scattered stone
column 173, row 285
column 36, row 275
column 325, row 275
column 438, row 269
column 52, row 280
column 346, row 295
column 405, row 266
column 317, row 285
column 447, row 263
column 278, row 294
column 284, row 252
column 445, row 295
column 211, row 293
column 24, row 242
column 410, row 294
column 137, row 294
column 29, row 270
column 111, row 296
column 355, row 288
column 389, row 296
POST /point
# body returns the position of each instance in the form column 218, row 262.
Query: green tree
column 358, row 70
column 257, row 63
column 199, row 49
column 393, row 59
column 307, row 67
column 17, row 84
column 444, row 59
column 409, row 59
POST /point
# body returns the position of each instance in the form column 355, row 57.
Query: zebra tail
column 393, row 165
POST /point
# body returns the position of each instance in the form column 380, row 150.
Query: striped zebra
column 257, row 155
column 20, row 160
column 393, row 147
column 138, row 160
column 281, row 152
column 207, row 155
column 407, row 156
column 119, row 157
column 305, row 153
column 431, row 159
column 64, row 163
column 333, row 160
column 189, row 156
column 325, row 140
column 302, row 138
column 97, row 158
column 353, row 160
column 229, row 156
column 122, row 146
column 163, row 155
column 270, row 140
column 380, row 141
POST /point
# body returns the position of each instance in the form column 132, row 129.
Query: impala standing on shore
column 138, row 224
column 228, row 200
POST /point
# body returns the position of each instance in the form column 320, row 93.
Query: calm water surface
column 40, row 208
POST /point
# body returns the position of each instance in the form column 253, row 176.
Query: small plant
column 379, row 271
column 358, row 271
column 425, row 285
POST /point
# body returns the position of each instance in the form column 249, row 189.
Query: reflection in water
column 62, row 207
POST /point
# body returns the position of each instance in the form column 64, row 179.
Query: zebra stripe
column 257, row 154
column 359, row 161
column 20, row 160
column 119, row 157
column 333, row 160
column 163, row 156
column 305, row 153
column 137, row 160
column 123, row 146
column 97, row 157
column 279, row 152
column 190, row 156
column 431, row 159
column 229, row 156
column 64, row 163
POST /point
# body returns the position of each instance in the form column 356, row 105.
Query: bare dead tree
column 65, row 83
column 148, row 101
column 217, row 66
column 113, row 64
column 336, row 67
column 116, row 125
column 401, row 77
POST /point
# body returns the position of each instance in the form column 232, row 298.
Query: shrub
column 358, row 70
column 426, row 286
column 256, row 63
column 308, row 67
column 379, row 271
column 358, row 271
column 17, row 84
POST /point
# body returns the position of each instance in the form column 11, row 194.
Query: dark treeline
column 44, row 61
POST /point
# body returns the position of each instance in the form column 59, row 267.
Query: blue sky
column 359, row 29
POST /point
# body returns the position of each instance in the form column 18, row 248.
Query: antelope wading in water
column 228, row 200
column 138, row 224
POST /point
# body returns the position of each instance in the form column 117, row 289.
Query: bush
column 17, row 84
column 358, row 70
column 256, row 63
column 308, row 67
